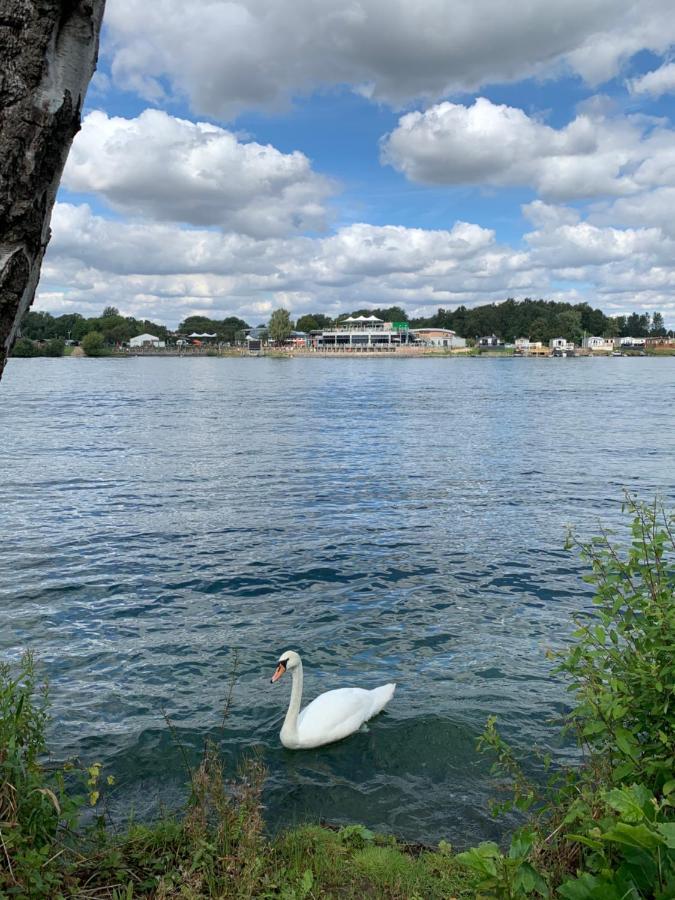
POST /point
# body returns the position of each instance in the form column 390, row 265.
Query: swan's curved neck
column 290, row 726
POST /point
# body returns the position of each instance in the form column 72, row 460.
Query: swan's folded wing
column 336, row 714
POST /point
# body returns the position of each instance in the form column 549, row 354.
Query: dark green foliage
column 540, row 320
column 605, row 830
column 280, row 326
column 93, row 344
column 226, row 330
column 387, row 314
column 24, row 348
column 54, row 347
column 622, row 667
column 116, row 329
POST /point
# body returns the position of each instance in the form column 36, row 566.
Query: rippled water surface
column 390, row 519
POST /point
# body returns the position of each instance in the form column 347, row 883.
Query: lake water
column 389, row 519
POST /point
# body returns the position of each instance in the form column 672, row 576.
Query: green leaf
column 667, row 829
column 633, row 803
column 307, row 882
column 626, row 743
column 481, row 858
column 639, row 836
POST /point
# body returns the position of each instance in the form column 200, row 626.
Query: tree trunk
column 48, row 51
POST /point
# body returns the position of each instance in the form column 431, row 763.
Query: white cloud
column 167, row 272
column 660, row 81
column 230, row 56
column 172, row 169
column 593, row 156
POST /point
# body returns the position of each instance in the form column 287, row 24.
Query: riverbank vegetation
column 603, row 830
column 540, row 320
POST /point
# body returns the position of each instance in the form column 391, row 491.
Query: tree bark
column 48, row 52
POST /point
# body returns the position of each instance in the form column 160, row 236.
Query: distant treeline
column 539, row 320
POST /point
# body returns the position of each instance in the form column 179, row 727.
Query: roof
column 145, row 337
column 204, row 335
column 362, row 319
column 431, row 328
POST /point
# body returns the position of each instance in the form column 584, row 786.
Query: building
column 490, row 342
column 439, row 337
column 598, row 344
column 362, row 333
column 561, row 343
column 146, row 340
column 657, row 343
column 630, row 343
column 526, row 347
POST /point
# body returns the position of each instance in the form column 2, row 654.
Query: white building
column 439, row 337
column 146, row 340
column 362, row 333
column 598, row 344
column 561, row 343
column 627, row 343
column 524, row 345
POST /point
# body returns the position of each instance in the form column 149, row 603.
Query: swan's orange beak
column 278, row 672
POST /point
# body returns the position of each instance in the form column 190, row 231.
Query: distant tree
column 658, row 328
column 54, row 347
column 307, row 323
column 109, row 312
column 225, row 329
column 280, row 325
column 24, row 348
column 568, row 325
column 93, row 344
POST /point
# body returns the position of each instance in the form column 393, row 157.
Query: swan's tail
column 381, row 696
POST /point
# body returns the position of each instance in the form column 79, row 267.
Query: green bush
column 33, row 804
column 24, row 348
column 93, row 344
column 54, row 347
column 606, row 830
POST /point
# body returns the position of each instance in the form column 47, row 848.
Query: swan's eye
column 284, row 662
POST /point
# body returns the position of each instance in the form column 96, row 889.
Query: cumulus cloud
column 172, row 169
column 230, row 56
column 486, row 143
column 659, row 81
column 167, row 272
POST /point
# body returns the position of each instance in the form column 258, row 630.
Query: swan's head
column 288, row 660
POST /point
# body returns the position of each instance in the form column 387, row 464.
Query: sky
column 237, row 156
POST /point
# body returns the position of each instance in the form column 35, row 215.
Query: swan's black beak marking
column 280, row 669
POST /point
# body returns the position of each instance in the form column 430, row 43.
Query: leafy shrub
column 605, row 831
column 24, row 348
column 54, row 347
column 93, row 344
column 32, row 803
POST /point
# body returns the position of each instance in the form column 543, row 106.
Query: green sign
column 399, row 326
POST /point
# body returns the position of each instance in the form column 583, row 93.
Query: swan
column 332, row 716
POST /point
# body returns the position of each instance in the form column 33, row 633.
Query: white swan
column 332, row 716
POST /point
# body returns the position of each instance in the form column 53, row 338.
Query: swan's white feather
column 337, row 714
column 332, row 716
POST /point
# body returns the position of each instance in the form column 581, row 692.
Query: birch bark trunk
column 48, row 52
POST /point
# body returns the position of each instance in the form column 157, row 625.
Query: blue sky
column 236, row 157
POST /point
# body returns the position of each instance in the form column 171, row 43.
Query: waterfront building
column 146, row 340
column 490, row 342
column 630, row 343
column 439, row 337
column 526, row 347
column 362, row 333
column 561, row 344
column 598, row 344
